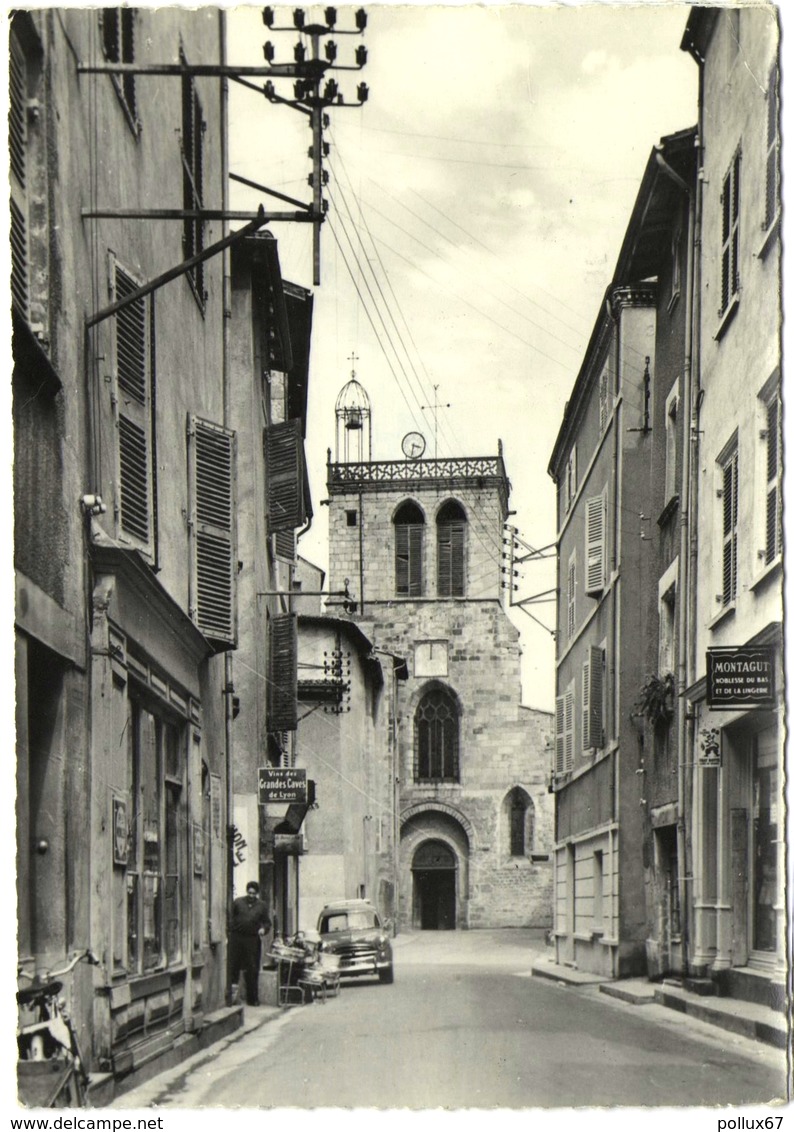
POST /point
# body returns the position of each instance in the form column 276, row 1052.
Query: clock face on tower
column 413, row 445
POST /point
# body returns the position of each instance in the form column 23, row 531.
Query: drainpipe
column 682, row 673
column 228, row 683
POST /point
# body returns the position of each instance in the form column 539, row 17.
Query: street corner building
column 160, row 374
column 668, row 773
column 418, row 542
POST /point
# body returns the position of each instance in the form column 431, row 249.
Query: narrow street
column 465, row 1025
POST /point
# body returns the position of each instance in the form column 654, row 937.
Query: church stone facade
column 418, row 543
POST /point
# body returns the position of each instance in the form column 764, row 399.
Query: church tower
column 418, row 542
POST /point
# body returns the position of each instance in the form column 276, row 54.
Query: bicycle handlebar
column 78, row 957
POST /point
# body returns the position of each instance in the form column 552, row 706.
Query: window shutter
column 285, row 545
column 286, row 504
column 571, row 598
column 595, row 534
column 586, row 741
column 772, row 157
column 730, row 503
column 17, row 140
column 726, row 250
column 212, row 453
column 134, row 379
column 408, row 558
column 559, row 735
column 773, row 510
column 283, row 669
column 569, row 706
column 595, row 720
column 415, row 561
column 19, row 259
column 110, row 34
column 451, row 550
column 603, row 398
column 735, row 226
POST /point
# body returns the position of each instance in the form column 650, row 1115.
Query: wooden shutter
column 283, row 673
column 286, row 504
column 212, row 455
column 285, row 545
column 134, row 409
column 773, row 509
column 569, row 707
column 773, row 151
column 559, row 735
column 17, row 141
column 571, row 598
column 451, row 558
column 595, row 534
column 603, row 398
column 729, row 282
column 730, row 504
column 592, row 698
column 408, row 558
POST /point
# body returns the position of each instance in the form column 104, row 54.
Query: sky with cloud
column 477, row 206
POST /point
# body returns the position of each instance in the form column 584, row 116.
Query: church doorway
column 434, row 872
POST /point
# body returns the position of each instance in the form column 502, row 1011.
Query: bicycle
column 50, row 1069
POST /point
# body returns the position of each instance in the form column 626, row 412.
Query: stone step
column 750, row 1019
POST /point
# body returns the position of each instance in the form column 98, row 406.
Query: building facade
column 419, row 543
column 738, row 910
column 130, row 561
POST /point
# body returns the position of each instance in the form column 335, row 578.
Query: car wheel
column 386, row 975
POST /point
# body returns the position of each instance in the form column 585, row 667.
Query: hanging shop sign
column 282, row 784
column 742, row 677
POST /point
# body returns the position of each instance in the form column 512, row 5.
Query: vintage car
column 353, row 931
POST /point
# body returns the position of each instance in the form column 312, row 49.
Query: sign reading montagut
column 740, row 677
column 281, row 784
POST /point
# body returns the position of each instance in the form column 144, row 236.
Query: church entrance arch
column 434, row 871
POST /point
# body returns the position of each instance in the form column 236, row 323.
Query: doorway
column 434, row 883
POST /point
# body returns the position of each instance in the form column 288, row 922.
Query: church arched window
column 520, row 820
column 436, row 737
column 409, row 528
column 451, row 541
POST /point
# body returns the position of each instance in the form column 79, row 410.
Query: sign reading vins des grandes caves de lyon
column 282, row 784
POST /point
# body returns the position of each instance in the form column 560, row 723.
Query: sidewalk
column 749, row 1019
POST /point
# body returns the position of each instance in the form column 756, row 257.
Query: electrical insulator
column 269, row 89
column 326, row 121
column 270, row 52
column 363, row 92
column 331, row 90
column 300, row 53
column 330, row 16
column 325, row 176
column 300, row 91
column 310, row 180
column 361, row 19
column 330, row 51
column 268, row 17
column 361, row 55
column 299, row 17
column 326, row 148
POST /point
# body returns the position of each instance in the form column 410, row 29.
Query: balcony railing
column 411, row 471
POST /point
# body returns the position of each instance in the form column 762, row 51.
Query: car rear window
column 342, row 921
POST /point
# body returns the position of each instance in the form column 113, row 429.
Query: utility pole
column 309, row 72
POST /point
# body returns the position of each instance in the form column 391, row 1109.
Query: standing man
column 250, row 923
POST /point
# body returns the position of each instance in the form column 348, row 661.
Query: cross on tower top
column 353, row 358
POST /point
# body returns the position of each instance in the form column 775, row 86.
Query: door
column 765, row 835
column 434, row 873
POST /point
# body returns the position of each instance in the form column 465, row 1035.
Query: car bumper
column 363, row 965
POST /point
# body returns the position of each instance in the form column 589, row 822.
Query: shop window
column 156, row 849
column 451, row 534
column 436, row 737
column 408, row 550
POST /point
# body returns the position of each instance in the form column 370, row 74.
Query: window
column 351, row 518
column 156, row 849
column 212, row 473
column 564, row 705
column 520, row 813
column 408, row 548
column 436, row 727
column 671, row 445
column 598, row 888
column 451, row 534
column 729, row 283
column 774, row 479
column 282, row 685
column 18, row 147
column 668, row 587
column 118, row 44
column 135, row 383
column 677, row 258
column 570, row 479
column 193, row 126
column 604, row 398
column 571, row 596
column 285, row 473
column 593, row 699
column 595, row 536
column 730, row 523
column 772, row 150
